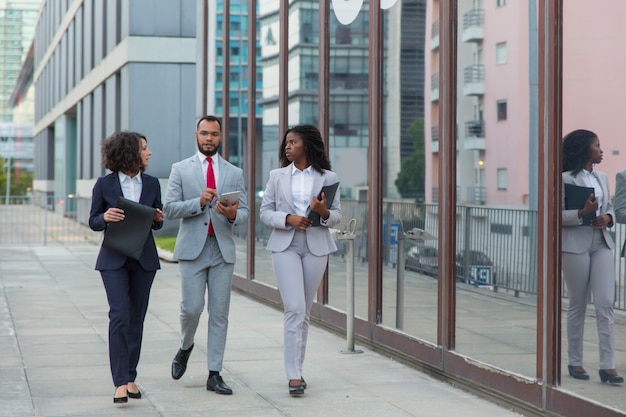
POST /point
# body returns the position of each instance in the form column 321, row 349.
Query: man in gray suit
column 205, row 247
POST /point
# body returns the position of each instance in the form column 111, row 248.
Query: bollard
column 349, row 237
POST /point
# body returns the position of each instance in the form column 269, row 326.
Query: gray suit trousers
column 298, row 274
column 207, row 273
column 592, row 270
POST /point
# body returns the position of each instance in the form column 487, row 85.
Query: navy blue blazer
column 104, row 195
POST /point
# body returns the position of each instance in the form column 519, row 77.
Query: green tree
column 20, row 184
column 410, row 181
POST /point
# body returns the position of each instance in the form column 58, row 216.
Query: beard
column 207, row 152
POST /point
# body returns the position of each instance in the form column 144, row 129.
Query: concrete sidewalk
column 54, row 360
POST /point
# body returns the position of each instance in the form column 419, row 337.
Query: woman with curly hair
column 299, row 248
column 127, row 281
column 587, row 255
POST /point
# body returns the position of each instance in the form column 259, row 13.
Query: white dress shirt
column 591, row 180
column 301, row 189
column 131, row 187
column 205, row 166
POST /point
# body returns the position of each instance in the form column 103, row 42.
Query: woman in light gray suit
column 299, row 249
column 587, row 255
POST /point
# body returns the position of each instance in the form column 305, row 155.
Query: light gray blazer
column 576, row 238
column 182, row 201
column 278, row 202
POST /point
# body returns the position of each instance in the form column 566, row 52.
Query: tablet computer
column 232, row 196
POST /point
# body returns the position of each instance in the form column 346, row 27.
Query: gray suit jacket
column 576, row 238
column 182, row 201
column 278, row 202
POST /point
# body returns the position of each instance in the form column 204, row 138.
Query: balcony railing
column 474, row 80
column 475, row 128
column 434, row 133
column 434, row 36
column 434, row 87
column 473, row 26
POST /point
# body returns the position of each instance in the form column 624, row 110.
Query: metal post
column 414, row 234
column 8, row 193
column 349, row 237
column 400, row 281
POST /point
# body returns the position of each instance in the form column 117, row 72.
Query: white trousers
column 592, row 270
column 298, row 274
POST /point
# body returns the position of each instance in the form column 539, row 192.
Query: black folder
column 128, row 237
column 575, row 198
column 329, row 191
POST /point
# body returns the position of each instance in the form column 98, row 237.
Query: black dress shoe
column 610, row 378
column 120, row 400
column 298, row 389
column 217, row 384
column 135, row 395
column 583, row 375
column 179, row 364
column 303, row 383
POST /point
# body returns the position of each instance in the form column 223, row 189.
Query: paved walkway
column 53, row 355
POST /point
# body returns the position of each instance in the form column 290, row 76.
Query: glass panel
column 238, row 112
column 268, row 139
column 496, row 222
column 593, row 88
column 348, row 142
column 409, row 286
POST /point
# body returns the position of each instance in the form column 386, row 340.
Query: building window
column 501, row 53
column 501, row 109
column 500, row 3
column 502, row 178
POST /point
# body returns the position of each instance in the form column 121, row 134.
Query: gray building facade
column 107, row 65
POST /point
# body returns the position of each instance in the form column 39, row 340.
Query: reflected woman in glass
column 587, row 253
column 299, row 248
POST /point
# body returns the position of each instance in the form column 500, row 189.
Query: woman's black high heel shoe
column 120, row 400
column 610, row 378
column 135, row 395
column 582, row 375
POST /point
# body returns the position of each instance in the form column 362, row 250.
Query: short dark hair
column 576, row 148
column 313, row 147
column 121, row 152
column 209, row 118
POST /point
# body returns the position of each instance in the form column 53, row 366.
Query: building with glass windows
column 17, row 28
column 106, row 66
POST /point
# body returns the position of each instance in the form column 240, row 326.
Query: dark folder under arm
column 128, row 237
column 329, row 191
column 575, row 198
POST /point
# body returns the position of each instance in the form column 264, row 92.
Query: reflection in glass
column 593, row 90
column 496, row 221
column 348, row 142
column 238, row 111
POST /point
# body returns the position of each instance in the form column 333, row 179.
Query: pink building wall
column 594, row 76
column 507, row 142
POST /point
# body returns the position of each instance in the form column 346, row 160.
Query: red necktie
column 210, row 183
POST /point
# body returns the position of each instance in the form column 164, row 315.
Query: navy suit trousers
column 128, row 291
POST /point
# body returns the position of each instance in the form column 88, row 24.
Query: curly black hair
column 313, row 147
column 576, row 150
column 121, row 152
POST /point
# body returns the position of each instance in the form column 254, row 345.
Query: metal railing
column 474, row 74
column 42, row 219
column 500, row 241
column 475, row 17
column 475, row 128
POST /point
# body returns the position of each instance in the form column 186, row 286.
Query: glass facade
column 448, row 153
